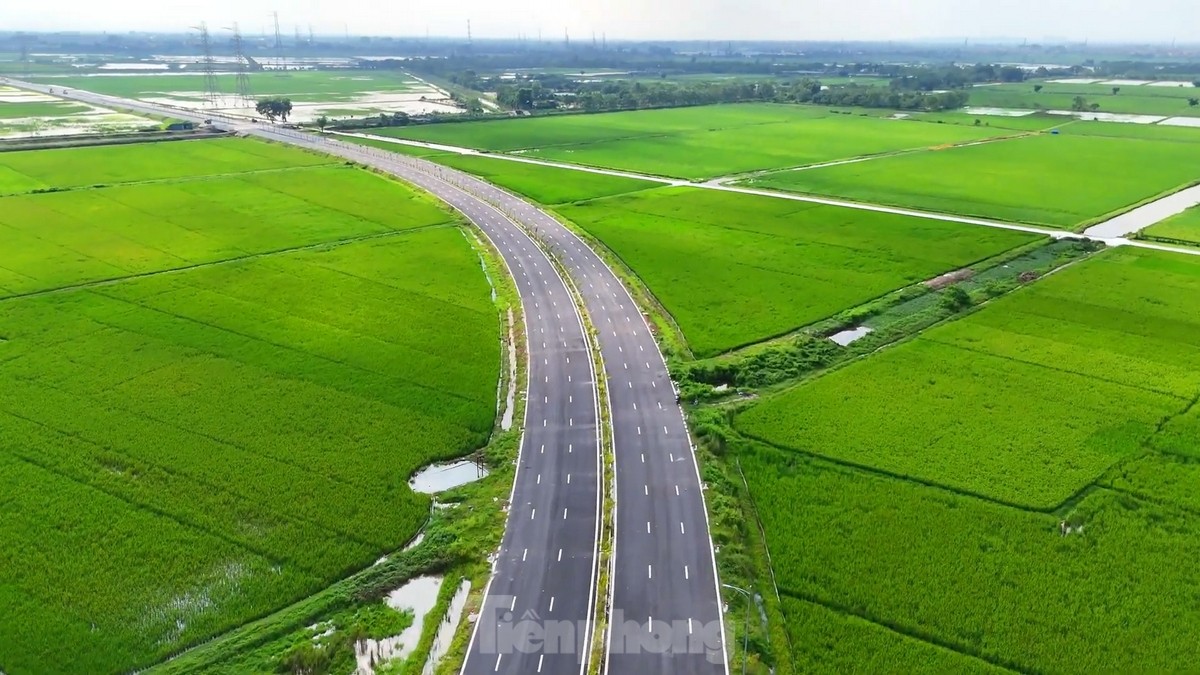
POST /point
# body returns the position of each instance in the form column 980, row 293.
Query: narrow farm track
column 665, row 602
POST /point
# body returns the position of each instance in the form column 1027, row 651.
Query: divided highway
column 665, row 604
column 539, row 608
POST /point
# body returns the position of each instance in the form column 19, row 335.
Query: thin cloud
column 796, row 20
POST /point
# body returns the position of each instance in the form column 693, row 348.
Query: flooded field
column 337, row 94
column 26, row 114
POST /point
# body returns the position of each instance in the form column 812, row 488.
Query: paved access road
column 665, row 601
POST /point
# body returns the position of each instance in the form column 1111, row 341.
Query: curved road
column 665, row 602
column 539, row 606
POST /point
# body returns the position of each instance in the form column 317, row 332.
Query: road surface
column 665, row 601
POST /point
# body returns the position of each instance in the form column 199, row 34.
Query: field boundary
column 225, row 261
column 761, row 173
column 167, row 181
column 896, row 628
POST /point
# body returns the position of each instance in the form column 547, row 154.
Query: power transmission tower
column 25, row 55
column 468, row 31
column 243, row 64
column 210, row 76
column 278, row 43
column 311, row 41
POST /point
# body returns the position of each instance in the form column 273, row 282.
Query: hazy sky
column 1099, row 20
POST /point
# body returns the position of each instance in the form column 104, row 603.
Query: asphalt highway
column 665, row 590
column 539, row 608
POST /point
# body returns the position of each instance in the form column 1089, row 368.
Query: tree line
column 636, row 94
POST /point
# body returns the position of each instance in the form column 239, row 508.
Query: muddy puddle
column 852, row 335
column 446, row 630
column 418, row 596
column 438, row 477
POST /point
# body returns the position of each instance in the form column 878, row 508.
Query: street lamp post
column 746, row 625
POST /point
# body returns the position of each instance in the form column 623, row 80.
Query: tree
column 1037, row 88
column 1196, row 83
column 955, row 299
column 264, row 108
column 1194, row 102
column 400, row 119
column 1094, row 107
column 274, row 108
column 1116, row 90
column 1079, row 104
column 322, row 122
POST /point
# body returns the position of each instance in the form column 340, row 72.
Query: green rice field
column 1183, row 228
column 1057, row 181
column 14, row 110
column 543, row 184
column 1025, row 481
column 228, row 424
column 733, row 269
column 26, row 171
column 697, row 143
column 1027, row 401
column 911, row 571
column 1160, row 132
column 1132, row 99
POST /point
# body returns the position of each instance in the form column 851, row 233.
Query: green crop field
column 26, row 171
column 1132, row 99
column 827, row 641
column 1183, row 228
column 992, row 582
column 1057, row 181
column 192, row 446
column 1036, row 122
column 54, row 240
column 733, row 269
column 543, row 184
column 1124, row 130
column 13, row 110
column 1028, row 400
column 315, row 86
column 698, row 143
